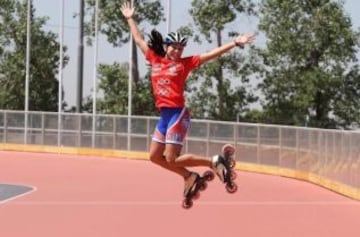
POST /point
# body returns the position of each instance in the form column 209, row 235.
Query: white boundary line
column 170, row 203
column 33, row 189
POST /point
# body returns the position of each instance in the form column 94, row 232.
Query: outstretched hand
column 127, row 10
column 243, row 39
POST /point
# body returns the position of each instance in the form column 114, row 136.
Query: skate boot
column 228, row 153
column 222, row 165
column 193, row 185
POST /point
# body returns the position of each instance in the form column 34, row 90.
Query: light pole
column 97, row 12
column 80, row 59
column 130, row 88
column 168, row 25
column 27, row 67
column 61, row 30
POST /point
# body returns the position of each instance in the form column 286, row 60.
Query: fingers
column 247, row 38
column 243, row 39
column 251, row 38
column 126, row 9
column 126, row 5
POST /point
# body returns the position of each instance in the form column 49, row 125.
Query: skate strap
column 193, row 187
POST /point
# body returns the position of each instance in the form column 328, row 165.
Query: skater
column 168, row 75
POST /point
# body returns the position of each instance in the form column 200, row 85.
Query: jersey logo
column 172, row 70
column 156, row 69
column 163, row 92
column 163, row 81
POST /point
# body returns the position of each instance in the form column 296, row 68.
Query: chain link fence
column 332, row 154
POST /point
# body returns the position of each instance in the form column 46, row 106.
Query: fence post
column 258, row 145
column 207, row 139
column 148, row 140
column 5, row 127
column 114, row 132
column 280, row 144
column 43, row 130
column 79, row 141
column 297, row 149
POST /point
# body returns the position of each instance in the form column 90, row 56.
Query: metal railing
column 333, row 154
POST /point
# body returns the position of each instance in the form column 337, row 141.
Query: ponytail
column 156, row 43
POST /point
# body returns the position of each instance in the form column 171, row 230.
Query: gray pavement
column 10, row 191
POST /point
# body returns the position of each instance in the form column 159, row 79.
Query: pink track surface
column 89, row 196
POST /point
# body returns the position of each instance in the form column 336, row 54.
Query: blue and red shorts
column 172, row 126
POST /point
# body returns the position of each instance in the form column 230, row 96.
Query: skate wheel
column 203, row 186
column 228, row 150
column 209, row 175
column 196, row 196
column 187, row 203
column 231, row 188
column 233, row 175
column 232, row 163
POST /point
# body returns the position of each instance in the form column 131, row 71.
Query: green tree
column 113, row 81
column 114, row 26
column 310, row 65
column 220, row 89
column 43, row 85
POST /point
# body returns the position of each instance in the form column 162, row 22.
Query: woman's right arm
column 128, row 12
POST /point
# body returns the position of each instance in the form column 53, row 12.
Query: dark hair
column 156, row 43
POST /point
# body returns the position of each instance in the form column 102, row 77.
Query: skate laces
column 189, row 183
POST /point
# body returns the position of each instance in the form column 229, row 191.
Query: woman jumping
column 169, row 71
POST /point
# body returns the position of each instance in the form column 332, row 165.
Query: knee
column 155, row 158
column 171, row 159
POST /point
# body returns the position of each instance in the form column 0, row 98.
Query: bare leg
column 157, row 151
column 186, row 160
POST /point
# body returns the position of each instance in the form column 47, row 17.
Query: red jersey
column 168, row 78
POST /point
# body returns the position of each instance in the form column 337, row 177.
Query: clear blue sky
column 108, row 54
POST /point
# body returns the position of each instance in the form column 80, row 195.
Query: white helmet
column 175, row 38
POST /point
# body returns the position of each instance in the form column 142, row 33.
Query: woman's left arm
column 239, row 41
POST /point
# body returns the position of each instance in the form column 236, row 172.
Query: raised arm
column 128, row 12
column 239, row 41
